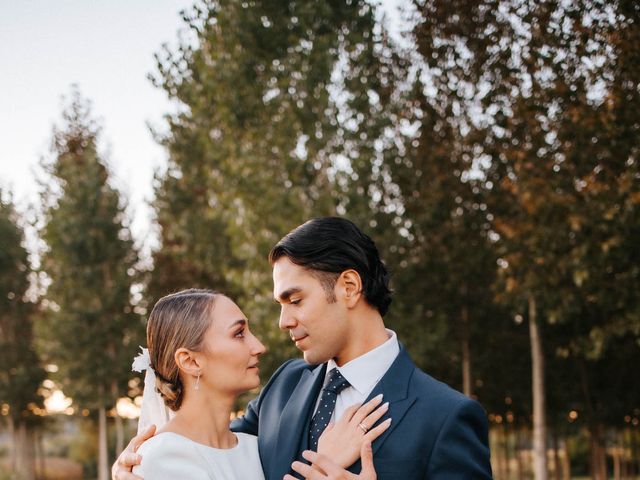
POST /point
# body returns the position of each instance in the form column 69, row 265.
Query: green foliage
column 545, row 98
column 271, row 113
column 89, row 330
column 21, row 374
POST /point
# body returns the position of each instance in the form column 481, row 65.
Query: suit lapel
column 294, row 420
column 394, row 385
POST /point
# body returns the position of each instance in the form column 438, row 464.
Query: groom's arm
column 248, row 423
column 462, row 446
column 122, row 468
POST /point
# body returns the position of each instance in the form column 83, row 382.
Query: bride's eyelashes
column 239, row 333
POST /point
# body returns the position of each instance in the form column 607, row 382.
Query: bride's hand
column 342, row 441
column 322, row 468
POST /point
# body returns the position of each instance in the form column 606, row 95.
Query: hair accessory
column 153, row 410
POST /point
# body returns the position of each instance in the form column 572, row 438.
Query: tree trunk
column 41, row 456
column 566, row 461
column 617, row 466
column 119, row 434
column 635, row 451
column 537, row 374
column 118, row 422
column 519, row 464
column 557, row 470
column 507, row 466
column 625, row 472
column 103, row 470
column 466, row 353
column 13, row 454
column 24, row 464
column 598, row 452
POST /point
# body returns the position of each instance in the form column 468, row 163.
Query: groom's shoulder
column 291, row 370
column 286, row 377
column 441, row 398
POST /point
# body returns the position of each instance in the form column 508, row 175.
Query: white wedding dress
column 169, row 456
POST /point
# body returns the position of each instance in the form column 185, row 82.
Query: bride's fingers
column 366, row 409
column 371, row 419
column 378, row 430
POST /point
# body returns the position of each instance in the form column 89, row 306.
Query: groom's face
column 317, row 326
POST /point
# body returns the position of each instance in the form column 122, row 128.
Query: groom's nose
column 286, row 320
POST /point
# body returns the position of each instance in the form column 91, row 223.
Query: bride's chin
column 255, row 384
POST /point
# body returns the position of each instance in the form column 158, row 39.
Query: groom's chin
column 312, row 359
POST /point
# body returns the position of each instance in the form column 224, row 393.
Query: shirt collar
column 366, row 370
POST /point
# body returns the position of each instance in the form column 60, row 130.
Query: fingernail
column 385, row 406
column 306, row 454
column 379, row 397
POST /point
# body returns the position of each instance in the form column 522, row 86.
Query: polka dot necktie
column 327, row 405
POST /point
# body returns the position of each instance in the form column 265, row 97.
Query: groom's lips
column 298, row 339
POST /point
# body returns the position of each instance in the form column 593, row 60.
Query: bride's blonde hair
column 179, row 320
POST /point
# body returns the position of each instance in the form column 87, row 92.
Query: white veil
column 153, row 410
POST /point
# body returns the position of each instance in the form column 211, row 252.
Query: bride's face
column 230, row 350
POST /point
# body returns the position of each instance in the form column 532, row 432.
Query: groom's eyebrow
column 242, row 321
column 284, row 296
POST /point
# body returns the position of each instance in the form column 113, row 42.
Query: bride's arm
column 342, row 441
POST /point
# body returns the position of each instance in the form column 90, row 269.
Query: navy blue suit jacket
column 436, row 433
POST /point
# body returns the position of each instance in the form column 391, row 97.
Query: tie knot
column 337, row 382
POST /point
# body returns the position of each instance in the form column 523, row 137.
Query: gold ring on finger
column 363, row 427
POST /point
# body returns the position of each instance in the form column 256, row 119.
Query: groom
column 333, row 291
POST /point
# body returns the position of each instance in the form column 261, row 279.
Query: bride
column 204, row 355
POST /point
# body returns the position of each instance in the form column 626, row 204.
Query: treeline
column 492, row 155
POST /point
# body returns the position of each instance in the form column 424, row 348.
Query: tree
column 91, row 330
column 549, row 95
column 21, row 374
column 270, row 111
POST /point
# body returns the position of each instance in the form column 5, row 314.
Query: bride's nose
column 257, row 348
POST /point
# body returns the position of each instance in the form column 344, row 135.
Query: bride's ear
column 188, row 362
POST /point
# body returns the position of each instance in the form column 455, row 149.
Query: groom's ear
column 187, row 361
column 349, row 286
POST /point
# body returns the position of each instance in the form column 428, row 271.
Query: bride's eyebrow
column 242, row 322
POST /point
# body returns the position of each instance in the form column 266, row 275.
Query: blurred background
column 489, row 147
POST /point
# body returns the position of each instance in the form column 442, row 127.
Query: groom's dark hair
column 328, row 246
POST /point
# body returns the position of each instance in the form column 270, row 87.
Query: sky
column 106, row 48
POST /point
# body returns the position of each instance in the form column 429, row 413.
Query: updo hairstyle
column 179, row 320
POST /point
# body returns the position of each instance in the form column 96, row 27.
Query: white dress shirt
column 363, row 373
